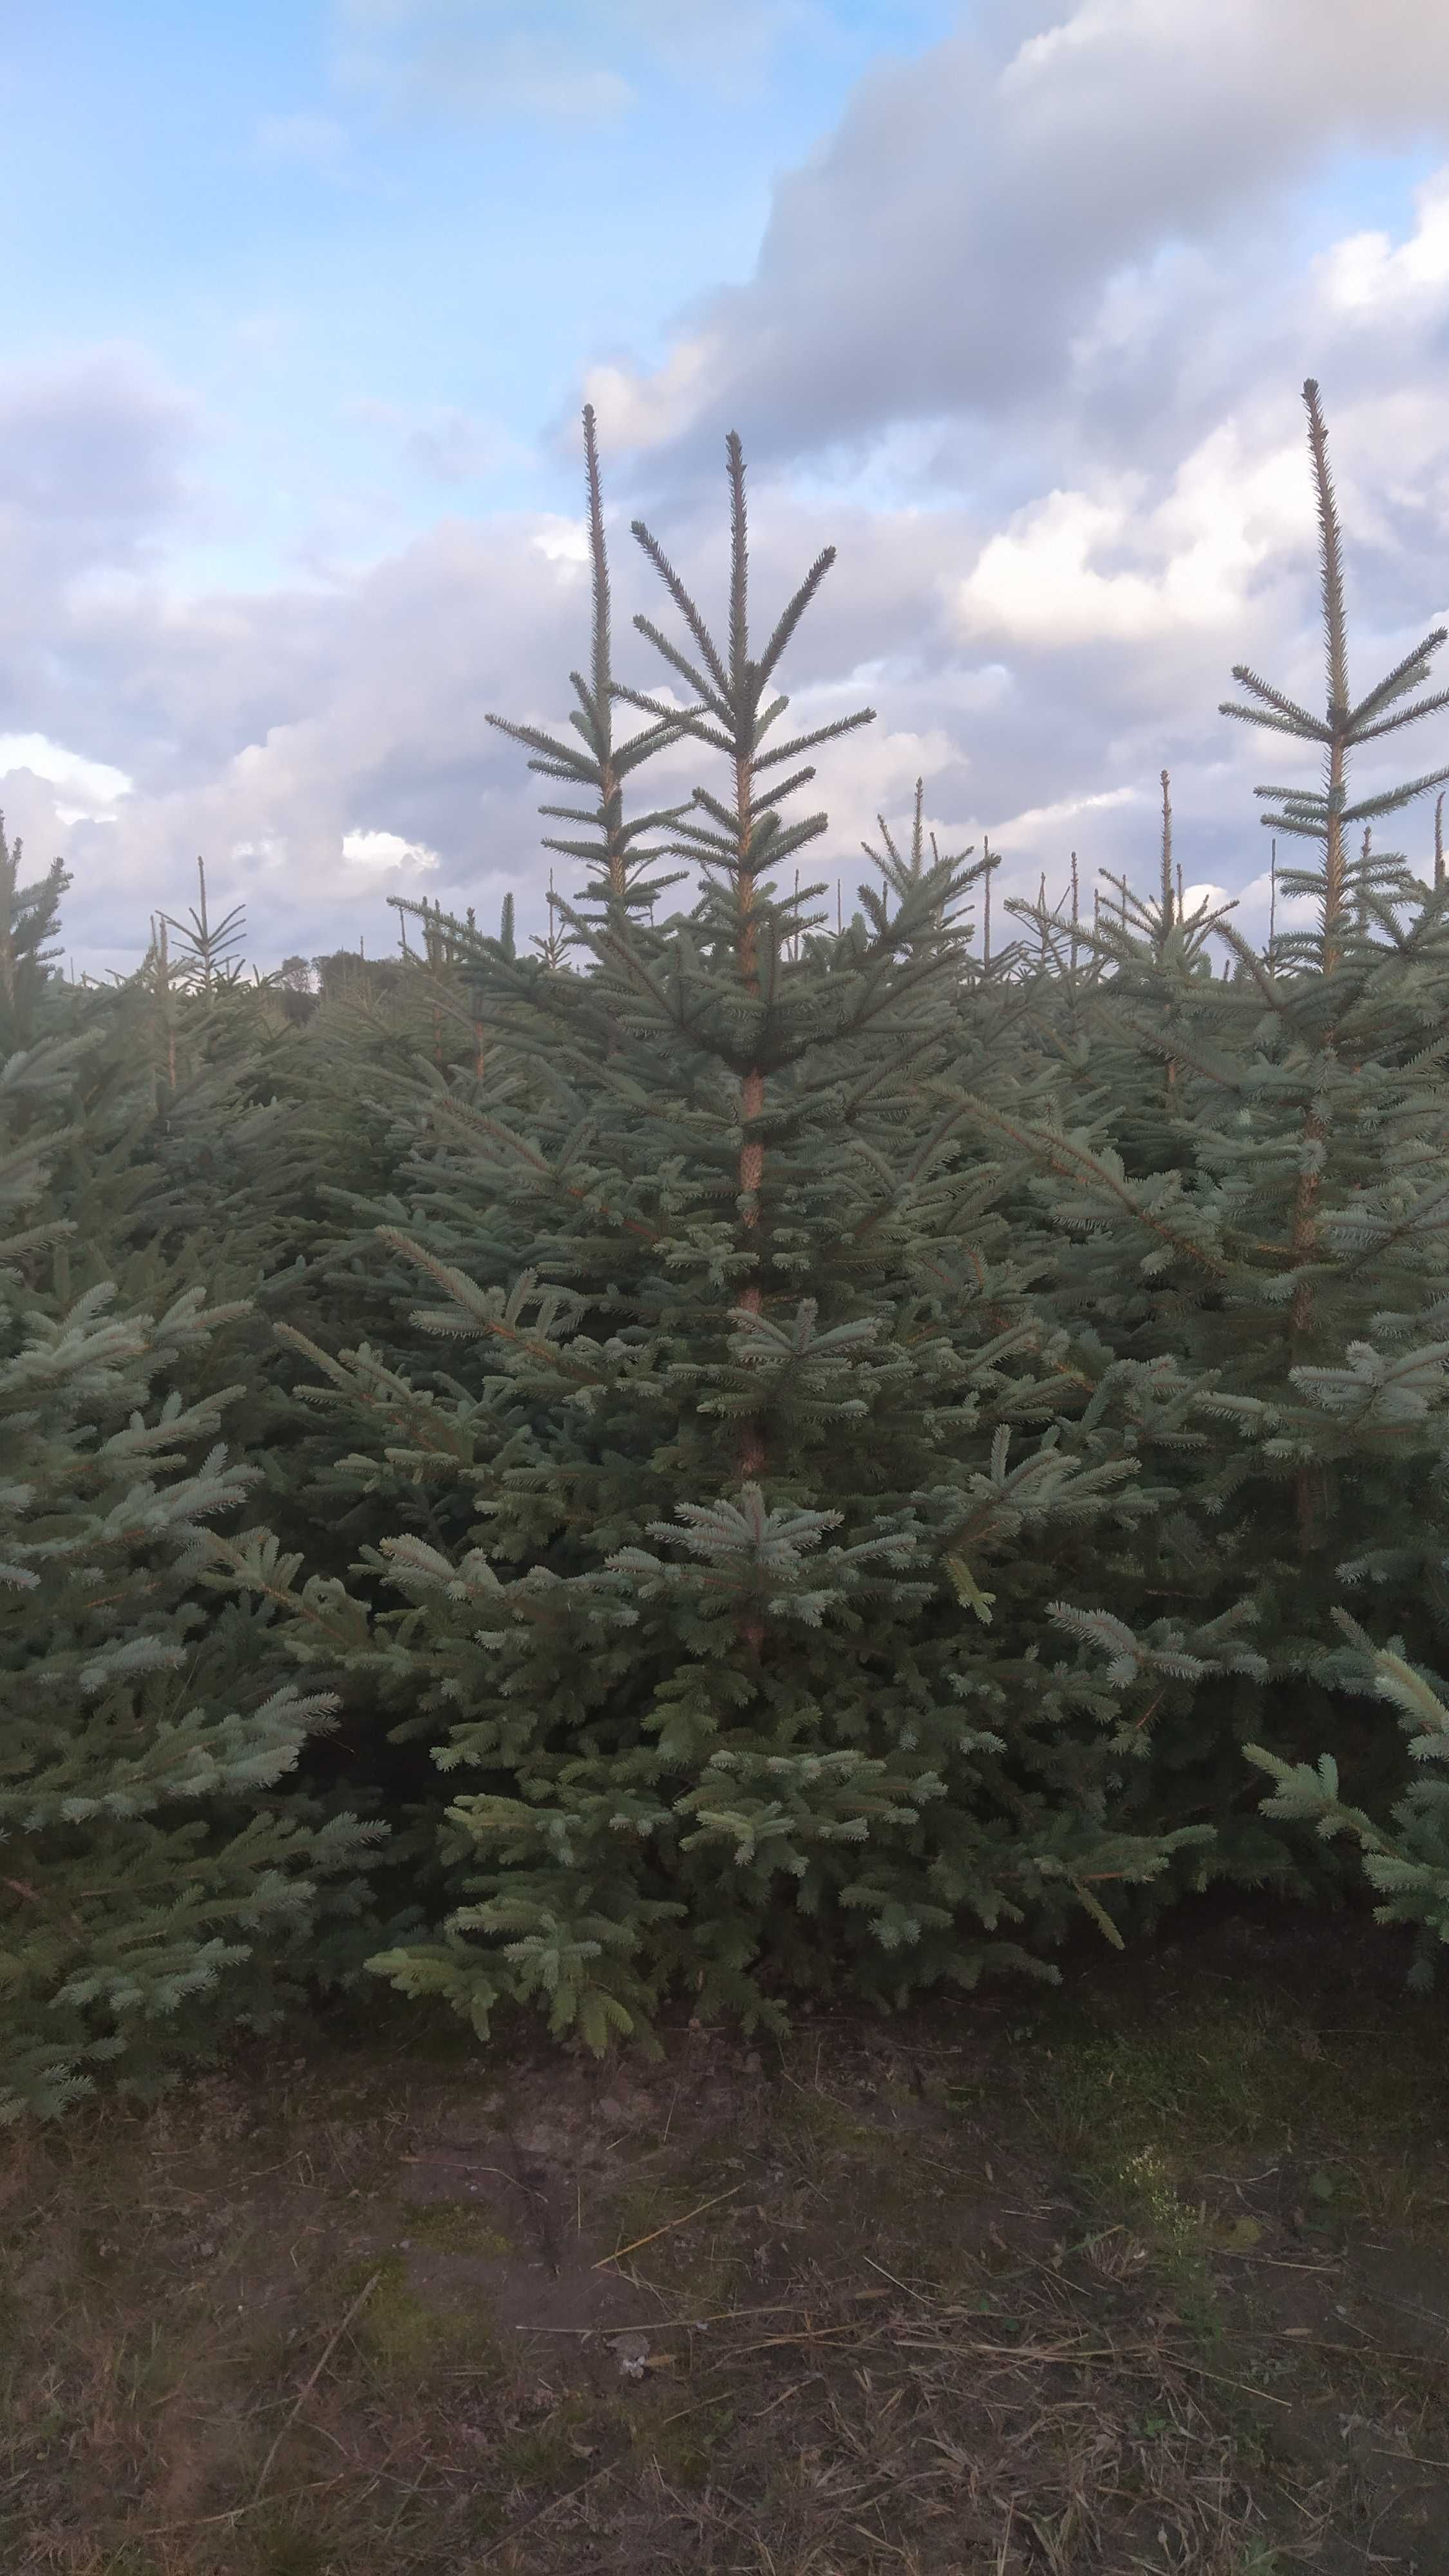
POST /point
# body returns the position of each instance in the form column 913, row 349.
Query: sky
column 1011, row 301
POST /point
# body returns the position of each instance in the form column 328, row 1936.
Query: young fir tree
column 185, row 1165
column 754, row 1656
column 1280, row 1227
column 160, row 1888
column 333, row 1492
column 364, row 1039
column 252, row 1113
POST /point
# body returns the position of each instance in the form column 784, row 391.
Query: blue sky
column 322, row 253
column 1012, row 302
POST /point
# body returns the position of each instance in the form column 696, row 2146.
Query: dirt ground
column 1151, row 2272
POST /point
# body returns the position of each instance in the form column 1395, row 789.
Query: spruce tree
column 160, row 1887
column 1262, row 1198
column 755, row 1651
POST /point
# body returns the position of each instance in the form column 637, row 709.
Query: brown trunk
column 752, row 1152
column 1304, row 1236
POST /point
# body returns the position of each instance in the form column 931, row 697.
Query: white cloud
column 635, row 413
column 386, row 850
column 561, row 541
column 1224, row 518
column 1029, row 825
column 1368, row 275
column 94, row 783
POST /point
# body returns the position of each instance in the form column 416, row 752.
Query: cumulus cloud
column 386, row 851
column 92, row 786
column 91, row 465
column 1036, row 583
column 1370, row 277
column 974, row 211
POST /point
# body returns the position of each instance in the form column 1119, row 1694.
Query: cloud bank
column 1024, row 337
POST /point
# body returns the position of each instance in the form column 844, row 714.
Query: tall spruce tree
column 1263, row 1198
column 756, row 1653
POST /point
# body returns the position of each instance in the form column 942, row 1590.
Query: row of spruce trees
column 719, row 1455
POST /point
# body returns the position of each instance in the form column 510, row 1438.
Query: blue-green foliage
column 757, row 1670
column 163, row 1878
column 785, row 1458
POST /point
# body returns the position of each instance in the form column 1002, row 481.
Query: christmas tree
column 896, row 1425
column 159, row 1884
column 773, row 1467
column 1261, row 1196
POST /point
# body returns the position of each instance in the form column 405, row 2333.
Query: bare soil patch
column 1151, row 2272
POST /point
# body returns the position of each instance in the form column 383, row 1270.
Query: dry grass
column 1153, row 2276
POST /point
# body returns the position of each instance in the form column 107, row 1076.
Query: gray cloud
column 92, row 455
column 388, row 682
column 983, row 211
